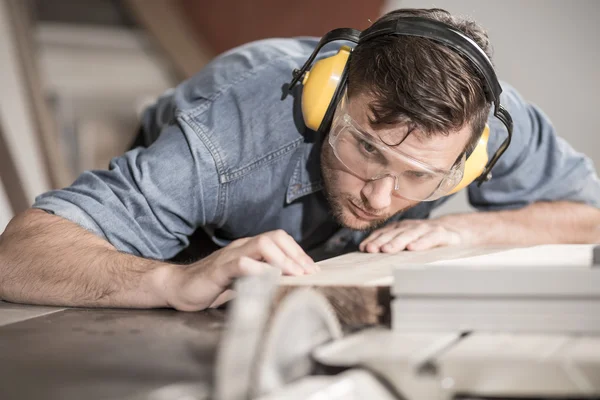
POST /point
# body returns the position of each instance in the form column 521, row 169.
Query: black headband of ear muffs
column 433, row 30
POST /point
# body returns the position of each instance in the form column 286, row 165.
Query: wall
column 550, row 51
column 259, row 19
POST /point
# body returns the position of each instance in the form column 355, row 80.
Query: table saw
column 485, row 323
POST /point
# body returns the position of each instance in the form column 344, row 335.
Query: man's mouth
column 362, row 213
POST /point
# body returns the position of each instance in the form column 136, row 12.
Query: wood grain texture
column 375, row 269
column 358, row 284
column 353, row 306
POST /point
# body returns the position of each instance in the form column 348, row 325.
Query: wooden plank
column 15, row 111
column 375, row 269
column 15, row 192
column 6, row 212
column 19, row 13
column 358, row 284
column 551, row 255
column 548, row 314
column 368, row 270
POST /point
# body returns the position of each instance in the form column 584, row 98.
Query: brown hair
column 420, row 82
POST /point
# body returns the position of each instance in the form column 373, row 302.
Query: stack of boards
column 548, row 288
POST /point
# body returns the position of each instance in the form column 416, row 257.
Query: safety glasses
column 369, row 158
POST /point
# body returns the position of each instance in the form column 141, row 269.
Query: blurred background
column 76, row 74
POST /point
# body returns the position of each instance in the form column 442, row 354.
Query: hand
column 412, row 235
column 202, row 284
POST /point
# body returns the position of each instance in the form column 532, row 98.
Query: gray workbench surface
column 103, row 353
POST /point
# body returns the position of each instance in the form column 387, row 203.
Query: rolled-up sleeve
column 150, row 199
column 538, row 165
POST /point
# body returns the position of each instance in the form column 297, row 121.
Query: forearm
column 539, row 223
column 45, row 259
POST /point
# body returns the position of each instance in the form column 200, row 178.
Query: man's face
column 365, row 204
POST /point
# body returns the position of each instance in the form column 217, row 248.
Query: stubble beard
column 337, row 199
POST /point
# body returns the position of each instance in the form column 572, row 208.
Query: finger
column 403, row 238
column 377, row 244
column 210, row 290
column 263, row 247
column 385, row 234
column 380, row 237
column 436, row 238
column 293, row 250
column 375, row 234
column 247, row 266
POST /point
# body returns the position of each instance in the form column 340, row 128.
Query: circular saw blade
column 303, row 321
column 246, row 322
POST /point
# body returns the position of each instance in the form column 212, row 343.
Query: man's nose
column 379, row 192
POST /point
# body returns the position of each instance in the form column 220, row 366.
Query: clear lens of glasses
column 369, row 158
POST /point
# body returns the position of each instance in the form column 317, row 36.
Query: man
column 226, row 154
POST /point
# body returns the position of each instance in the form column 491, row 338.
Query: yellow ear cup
column 476, row 162
column 319, row 86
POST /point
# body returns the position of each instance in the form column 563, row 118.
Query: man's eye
column 367, row 147
column 418, row 175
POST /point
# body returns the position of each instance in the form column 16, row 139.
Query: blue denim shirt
column 228, row 153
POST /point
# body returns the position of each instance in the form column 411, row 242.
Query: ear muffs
column 321, row 89
column 475, row 164
column 320, row 86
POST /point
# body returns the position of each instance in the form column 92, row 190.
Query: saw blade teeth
column 304, row 320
